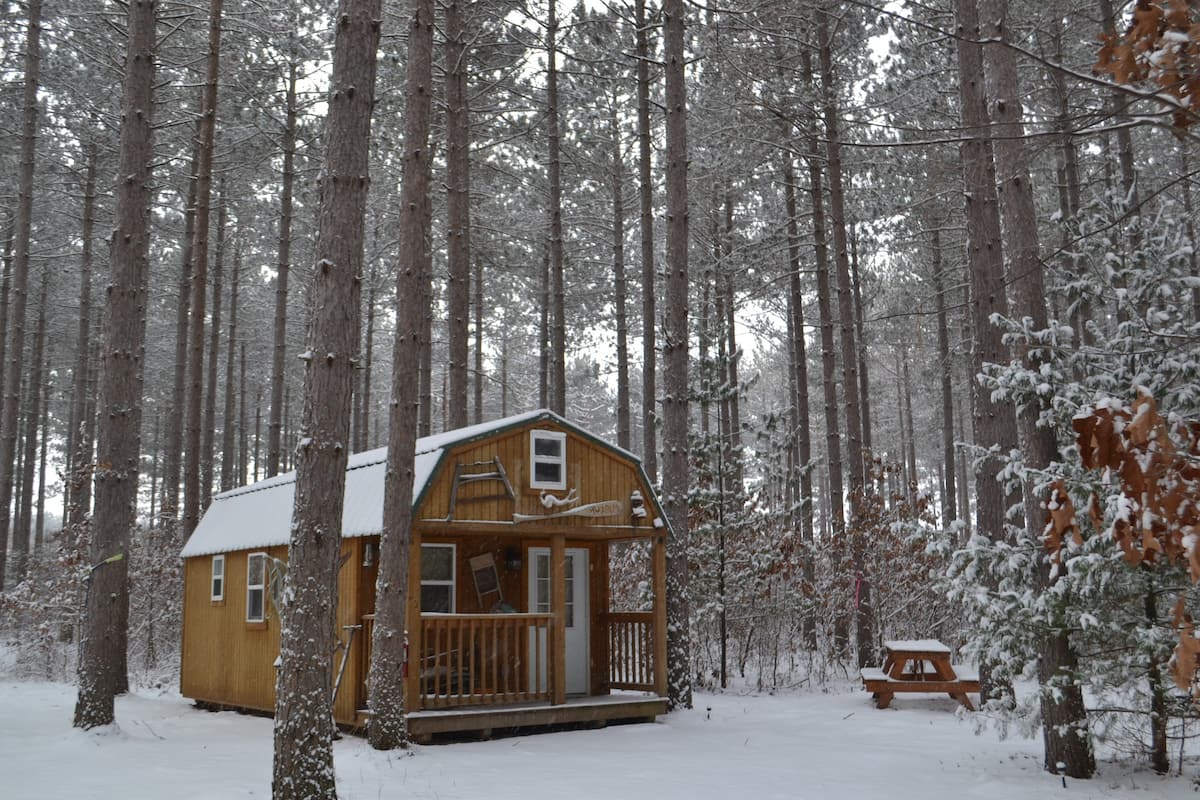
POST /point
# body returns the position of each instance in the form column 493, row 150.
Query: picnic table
column 919, row 665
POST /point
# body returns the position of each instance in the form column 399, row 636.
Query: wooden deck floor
column 597, row 711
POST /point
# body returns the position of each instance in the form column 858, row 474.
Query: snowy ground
column 805, row 746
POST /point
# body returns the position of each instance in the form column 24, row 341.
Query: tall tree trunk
column 24, row 526
column 364, row 428
column 864, row 612
column 646, row 229
column 478, row 369
column 79, row 373
column 620, row 285
column 303, row 765
column 154, row 451
column 558, row 327
column 1064, row 717
column 950, row 490
column 173, row 452
column 22, row 231
column 864, row 382
column 386, row 725
column 1116, row 109
column 994, row 423
column 802, row 422
column 910, row 452
column 39, row 524
column 836, row 516
column 734, row 395
column 192, row 426
column 229, row 422
column 209, row 435
column 675, row 362
column 243, row 431
column 458, row 210
column 101, row 662
column 257, row 433
column 282, row 270
column 5, row 291
column 544, row 314
column 856, row 469
column 833, row 449
column 425, row 376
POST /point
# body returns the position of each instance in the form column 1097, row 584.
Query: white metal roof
column 260, row 515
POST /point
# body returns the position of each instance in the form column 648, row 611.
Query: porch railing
column 483, row 659
column 631, row 651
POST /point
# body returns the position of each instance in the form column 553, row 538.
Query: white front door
column 576, row 622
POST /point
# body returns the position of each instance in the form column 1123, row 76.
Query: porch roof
column 260, row 515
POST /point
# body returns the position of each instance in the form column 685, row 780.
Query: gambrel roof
column 260, row 515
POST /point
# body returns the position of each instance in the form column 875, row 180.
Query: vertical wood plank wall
column 230, row 662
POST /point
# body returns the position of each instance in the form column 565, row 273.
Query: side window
column 547, row 460
column 437, row 578
column 256, row 587
column 218, row 578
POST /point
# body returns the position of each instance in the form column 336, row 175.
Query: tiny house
column 512, row 621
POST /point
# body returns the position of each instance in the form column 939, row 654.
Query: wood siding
column 229, row 662
column 594, row 471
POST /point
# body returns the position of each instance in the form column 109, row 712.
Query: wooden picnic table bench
column 921, row 665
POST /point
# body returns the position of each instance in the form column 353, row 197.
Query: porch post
column 412, row 684
column 558, row 608
column 659, row 570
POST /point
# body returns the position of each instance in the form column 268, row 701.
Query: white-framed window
column 256, row 587
column 437, row 578
column 218, row 577
column 547, row 460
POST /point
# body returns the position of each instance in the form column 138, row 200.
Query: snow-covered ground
column 834, row 745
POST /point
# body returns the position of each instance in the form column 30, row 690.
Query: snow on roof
column 260, row 515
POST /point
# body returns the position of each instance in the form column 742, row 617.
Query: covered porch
column 557, row 654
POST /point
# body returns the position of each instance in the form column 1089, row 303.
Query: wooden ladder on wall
column 475, row 472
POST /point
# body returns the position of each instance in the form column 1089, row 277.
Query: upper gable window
column 547, row 460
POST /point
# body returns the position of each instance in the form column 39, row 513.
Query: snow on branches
column 1151, row 465
column 1161, row 49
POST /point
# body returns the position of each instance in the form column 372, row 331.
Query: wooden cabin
column 511, row 621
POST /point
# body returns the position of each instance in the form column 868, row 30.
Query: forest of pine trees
column 843, row 275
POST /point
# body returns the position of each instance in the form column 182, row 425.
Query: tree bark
column 558, row 326
column 173, row 452
column 303, row 764
column 478, row 368
column 458, row 210
column 675, row 363
column 802, row 419
column 24, row 528
column 864, row 382
column 101, row 664
column 209, row 435
column 1064, row 717
column 994, row 423
column 646, row 229
column 193, row 407
column 386, row 725
column 364, row 427
column 229, row 422
column 282, row 271
column 950, row 490
column 22, row 230
column 79, row 373
column 620, row 284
